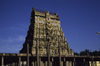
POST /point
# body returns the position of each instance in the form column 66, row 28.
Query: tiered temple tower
column 45, row 30
column 45, row 36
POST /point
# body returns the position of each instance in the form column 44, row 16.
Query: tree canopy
column 88, row 52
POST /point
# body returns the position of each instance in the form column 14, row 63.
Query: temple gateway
column 46, row 45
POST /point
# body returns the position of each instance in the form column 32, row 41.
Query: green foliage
column 88, row 52
column 75, row 53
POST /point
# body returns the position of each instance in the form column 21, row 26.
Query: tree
column 88, row 52
column 75, row 53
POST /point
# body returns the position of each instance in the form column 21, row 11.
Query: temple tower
column 45, row 35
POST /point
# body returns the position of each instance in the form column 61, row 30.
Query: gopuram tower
column 46, row 38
